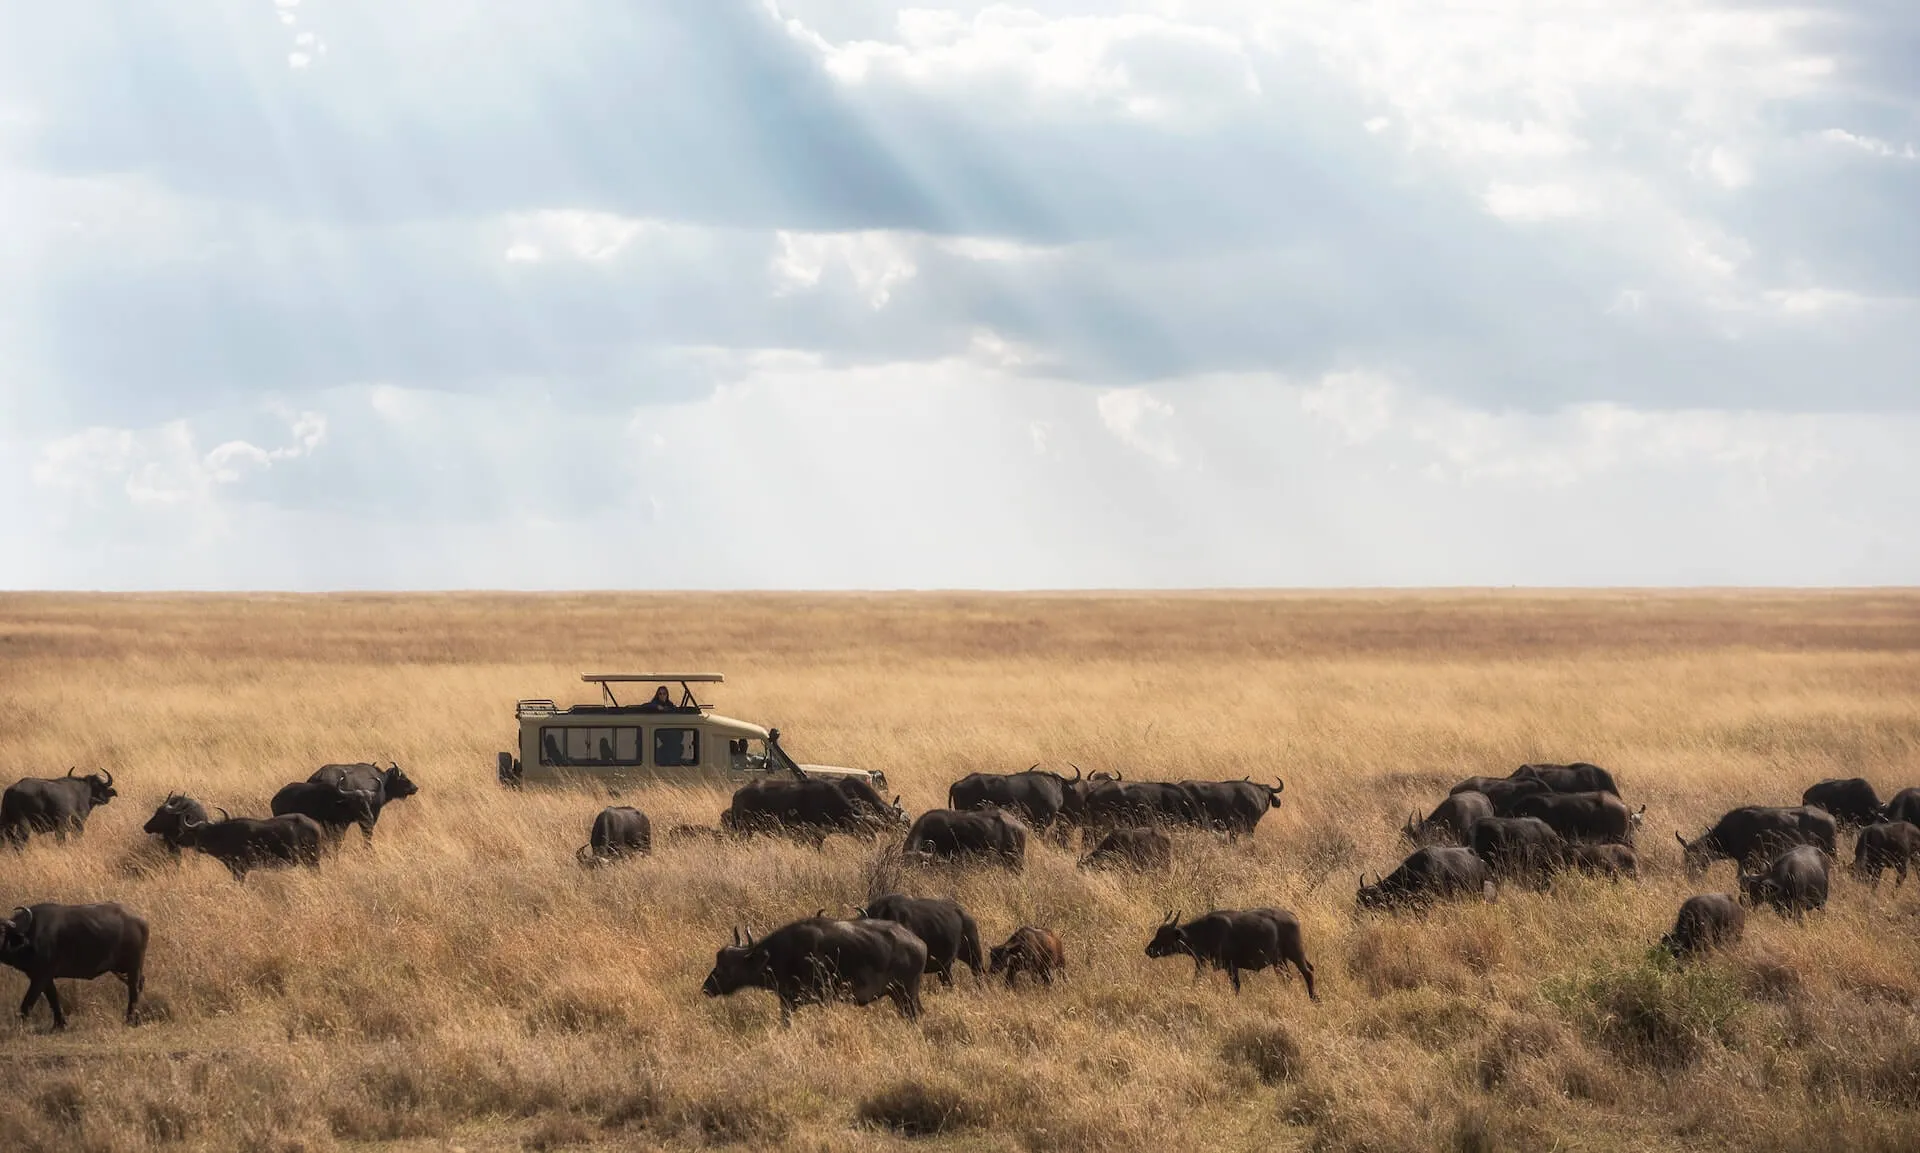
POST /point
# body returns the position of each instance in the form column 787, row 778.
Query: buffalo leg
column 1233, row 975
column 1899, row 873
column 53, row 1001
column 136, row 984
column 1012, row 968
column 1046, row 975
column 1301, row 963
column 33, row 994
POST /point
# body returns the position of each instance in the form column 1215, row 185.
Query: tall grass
column 464, row 982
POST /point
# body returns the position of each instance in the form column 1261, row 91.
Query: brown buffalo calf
column 1035, row 951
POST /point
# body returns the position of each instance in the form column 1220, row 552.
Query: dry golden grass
column 464, row 983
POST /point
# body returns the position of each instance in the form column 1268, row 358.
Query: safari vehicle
column 658, row 739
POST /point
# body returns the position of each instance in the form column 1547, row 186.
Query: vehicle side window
column 676, row 748
column 567, row 745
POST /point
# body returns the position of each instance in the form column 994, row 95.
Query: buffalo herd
column 1526, row 828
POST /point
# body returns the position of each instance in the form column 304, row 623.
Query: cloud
column 162, row 465
column 1139, row 420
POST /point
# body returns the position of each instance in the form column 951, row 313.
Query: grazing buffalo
column 380, row 785
column 1579, row 777
column 1609, row 861
column 1045, row 801
column 1141, row 849
column 50, row 942
column 1904, row 806
column 1516, row 846
column 1795, row 882
column 243, row 843
column 1756, row 833
column 1236, row 940
column 1451, row 821
column 1029, row 950
column 1851, row 800
column 810, row 810
column 945, row 834
column 1117, row 804
column 332, row 808
column 1707, row 921
column 58, row 805
column 1503, row 793
column 1429, row 874
column 1234, row 807
column 1886, row 845
column 949, row 934
column 173, row 813
column 1599, row 817
column 821, row 959
column 618, row 831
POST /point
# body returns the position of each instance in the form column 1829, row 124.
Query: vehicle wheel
column 509, row 769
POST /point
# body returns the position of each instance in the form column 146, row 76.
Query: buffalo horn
column 749, row 938
column 70, row 769
column 109, row 773
column 1279, row 786
column 1681, row 839
column 1036, row 765
column 1363, row 879
column 1075, row 768
column 224, row 815
column 736, row 935
column 22, row 919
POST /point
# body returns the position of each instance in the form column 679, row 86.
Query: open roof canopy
column 631, row 678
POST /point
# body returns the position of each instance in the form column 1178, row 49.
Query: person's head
column 661, row 696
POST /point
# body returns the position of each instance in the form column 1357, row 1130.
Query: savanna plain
column 463, row 982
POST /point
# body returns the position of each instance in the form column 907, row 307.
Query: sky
column 349, row 294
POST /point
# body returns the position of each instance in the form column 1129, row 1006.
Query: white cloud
column 1139, row 420
column 590, row 236
column 876, row 262
column 1533, row 202
column 162, row 465
column 1871, row 145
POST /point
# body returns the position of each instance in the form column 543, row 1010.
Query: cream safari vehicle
column 658, row 738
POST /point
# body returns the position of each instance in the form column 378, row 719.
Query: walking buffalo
column 244, row 843
column 1429, row 874
column 946, row 929
column 1119, row 804
column 1707, row 921
column 820, row 959
column 1451, row 820
column 1583, row 816
column 50, row 942
column 1754, row 833
column 1886, row 845
column 1045, row 801
column 1795, row 882
column 1235, row 940
column 332, row 808
column 1519, row 847
column 618, row 831
column 810, row 810
column 945, row 834
column 1029, row 950
column 1503, row 793
column 1851, row 800
column 380, row 785
column 1142, row 849
column 57, row 805
column 171, row 816
column 1579, row 777
column 1234, row 807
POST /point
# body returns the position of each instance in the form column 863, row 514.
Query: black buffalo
column 1234, row 807
column 1886, row 845
column 50, row 942
column 1131, row 848
column 1795, row 882
column 821, row 959
column 58, row 805
column 949, row 934
column 1851, row 800
column 1503, row 793
column 1756, row 833
column 167, row 820
column 244, row 843
column 1429, row 874
column 810, row 810
column 1579, row 777
column 1045, row 801
column 1903, row 806
column 381, row 786
column 1451, row 820
column 332, row 808
column 1523, row 847
column 946, row 834
column 1120, row 804
column 1599, row 817
column 1236, row 940
column 618, row 831
column 1707, row 921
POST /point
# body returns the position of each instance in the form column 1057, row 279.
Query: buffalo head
column 14, row 933
column 1696, row 856
column 1168, row 939
column 100, row 788
column 735, row 967
column 398, row 784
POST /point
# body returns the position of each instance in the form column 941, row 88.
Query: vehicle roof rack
column 630, row 678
